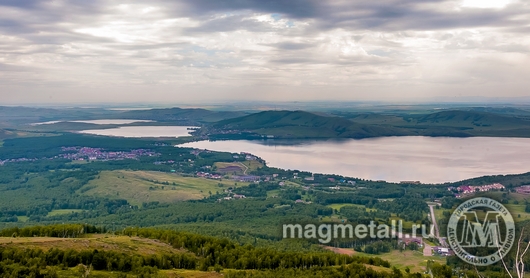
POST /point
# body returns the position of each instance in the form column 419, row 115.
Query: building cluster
column 2, row 162
column 525, row 189
column 443, row 251
column 246, row 178
column 249, row 156
column 91, row 154
column 209, row 175
column 470, row 189
column 87, row 154
column 235, row 196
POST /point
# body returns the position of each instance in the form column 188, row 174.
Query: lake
column 142, row 131
column 410, row 158
column 98, row 122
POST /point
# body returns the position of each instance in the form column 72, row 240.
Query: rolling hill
column 472, row 119
column 301, row 124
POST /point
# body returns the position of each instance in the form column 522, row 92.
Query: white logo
column 481, row 231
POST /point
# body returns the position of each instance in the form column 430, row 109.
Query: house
column 525, row 189
column 237, row 196
column 246, row 178
column 417, row 240
column 443, row 251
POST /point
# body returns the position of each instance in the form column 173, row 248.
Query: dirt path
column 246, row 168
column 343, row 251
column 427, row 250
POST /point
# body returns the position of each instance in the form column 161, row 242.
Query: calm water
column 426, row 159
column 142, row 131
column 112, row 121
column 98, row 122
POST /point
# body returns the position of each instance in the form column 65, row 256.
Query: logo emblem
column 481, row 231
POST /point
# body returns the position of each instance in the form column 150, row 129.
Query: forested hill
column 473, row 118
column 87, row 251
column 301, row 124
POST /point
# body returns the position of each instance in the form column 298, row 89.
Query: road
column 436, row 230
column 433, row 219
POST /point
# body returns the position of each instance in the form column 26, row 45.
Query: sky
column 205, row 51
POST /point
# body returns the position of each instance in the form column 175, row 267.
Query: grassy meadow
column 138, row 187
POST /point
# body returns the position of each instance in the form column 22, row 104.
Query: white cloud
column 165, row 52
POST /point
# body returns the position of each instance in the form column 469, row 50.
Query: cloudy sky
column 274, row 50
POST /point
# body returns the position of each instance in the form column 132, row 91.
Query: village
column 466, row 190
column 87, row 154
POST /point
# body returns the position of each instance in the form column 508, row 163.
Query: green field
column 252, row 165
column 220, row 166
column 411, row 259
column 22, row 218
column 63, row 211
column 138, row 187
column 339, row 206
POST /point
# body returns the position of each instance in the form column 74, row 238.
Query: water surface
column 112, row 121
column 142, row 131
column 411, row 158
column 97, row 122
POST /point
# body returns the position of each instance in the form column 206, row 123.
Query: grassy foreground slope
column 87, row 251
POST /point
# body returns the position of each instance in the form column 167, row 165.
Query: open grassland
column 238, row 168
column 411, row 259
column 517, row 209
column 518, row 212
column 63, row 211
column 339, row 206
column 439, row 213
column 498, row 195
column 231, row 168
column 252, row 165
column 138, row 187
column 125, row 244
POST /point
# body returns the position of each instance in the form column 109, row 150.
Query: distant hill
column 500, row 110
column 301, row 124
column 472, row 119
column 15, row 116
column 4, row 134
column 180, row 114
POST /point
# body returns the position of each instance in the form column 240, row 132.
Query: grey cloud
column 292, row 46
column 229, row 23
column 382, row 15
column 291, row 8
